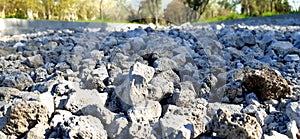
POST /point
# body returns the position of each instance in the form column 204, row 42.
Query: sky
column 295, row 4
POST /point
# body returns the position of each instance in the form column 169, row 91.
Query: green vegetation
column 155, row 11
column 226, row 17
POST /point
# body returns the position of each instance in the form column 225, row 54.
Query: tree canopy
column 156, row 11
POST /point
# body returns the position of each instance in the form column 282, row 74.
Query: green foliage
column 228, row 17
column 269, row 13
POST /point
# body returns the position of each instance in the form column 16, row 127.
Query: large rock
column 191, row 121
column 35, row 61
column 184, row 95
column 16, row 79
column 7, row 92
column 134, row 88
column 38, row 131
column 236, row 125
column 84, row 127
column 115, row 124
column 266, row 84
column 281, row 47
column 83, row 97
column 23, row 116
column 145, row 113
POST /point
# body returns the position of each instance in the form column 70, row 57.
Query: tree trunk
column 101, row 9
column 156, row 12
column 3, row 11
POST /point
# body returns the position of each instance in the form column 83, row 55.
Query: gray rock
column 137, row 44
column 163, row 64
column 212, row 108
column 139, row 69
column 46, row 99
column 248, row 38
column 134, row 87
column 60, row 117
column 140, row 131
column 115, row 124
column 276, row 121
column 35, row 61
column 184, row 95
column 252, row 99
column 84, row 127
column 40, row 74
column 16, row 79
column 291, row 57
column 281, row 47
column 7, row 93
column 194, row 117
column 174, row 126
column 145, row 113
column 83, row 97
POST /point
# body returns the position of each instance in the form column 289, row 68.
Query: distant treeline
column 177, row 11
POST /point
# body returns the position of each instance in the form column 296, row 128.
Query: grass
column 222, row 18
column 240, row 16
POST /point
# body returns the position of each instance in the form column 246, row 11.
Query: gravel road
column 231, row 79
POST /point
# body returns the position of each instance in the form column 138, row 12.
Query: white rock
column 139, row 69
column 174, row 126
column 60, row 117
column 84, row 127
column 275, row 135
column 293, row 112
column 47, row 100
column 146, row 112
column 292, row 129
column 38, row 131
column 100, row 72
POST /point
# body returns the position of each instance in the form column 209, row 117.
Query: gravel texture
column 220, row 80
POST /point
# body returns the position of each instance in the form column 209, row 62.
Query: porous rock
column 193, row 120
column 266, row 84
column 236, row 125
column 23, row 116
column 84, row 127
column 134, row 88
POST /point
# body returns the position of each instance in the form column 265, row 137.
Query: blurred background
column 162, row 12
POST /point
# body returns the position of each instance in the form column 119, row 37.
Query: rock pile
column 179, row 82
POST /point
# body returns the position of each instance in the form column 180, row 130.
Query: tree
column 176, row 12
column 198, row 7
column 258, row 7
column 101, row 6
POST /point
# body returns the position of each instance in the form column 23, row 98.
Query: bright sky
column 135, row 3
column 295, row 4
